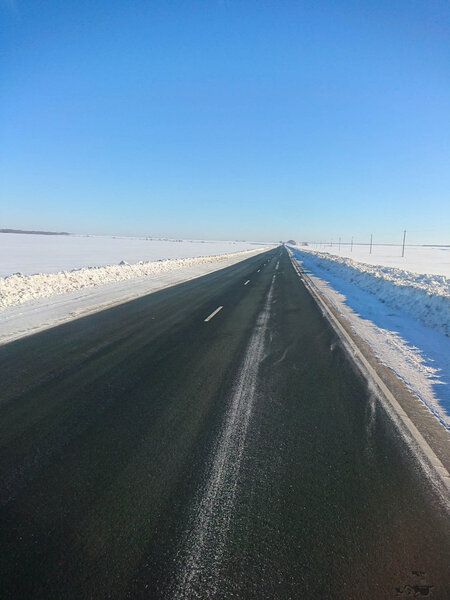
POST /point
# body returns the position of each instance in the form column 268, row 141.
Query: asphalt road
column 146, row 452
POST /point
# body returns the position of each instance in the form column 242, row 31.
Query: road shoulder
column 32, row 317
column 423, row 432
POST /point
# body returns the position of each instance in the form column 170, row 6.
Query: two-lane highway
column 211, row 440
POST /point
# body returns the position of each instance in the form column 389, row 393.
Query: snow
column 29, row 254
column 47, row 280
column 403, row 315
column 23, row 319
column 425, row 297
column 428, row 260
column 18, row 288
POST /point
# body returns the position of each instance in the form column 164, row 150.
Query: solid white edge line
column 213, row 314
column 370, row 374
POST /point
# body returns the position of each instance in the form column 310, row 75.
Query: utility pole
column 404, row 238
column 370, row 244
column 339, row 244
column 351, row 246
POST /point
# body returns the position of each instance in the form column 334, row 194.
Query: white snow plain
column 32, row 302
column 403, row 315
column 427, row 260
column 425, row 297
column 30, row 254
column 18, row 289
column 42, row 313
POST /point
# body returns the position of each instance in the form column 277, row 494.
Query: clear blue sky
column 224, row 119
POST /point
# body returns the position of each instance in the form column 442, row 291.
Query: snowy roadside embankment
column 403, row 316
column 422, row 296
column 17, row 289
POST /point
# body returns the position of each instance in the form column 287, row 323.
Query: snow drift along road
column 403, row 316
column 17, row 289
column 426, row 298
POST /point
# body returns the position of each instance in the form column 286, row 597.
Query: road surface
column 211, row 440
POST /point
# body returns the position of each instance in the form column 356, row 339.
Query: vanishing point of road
column 210, row 440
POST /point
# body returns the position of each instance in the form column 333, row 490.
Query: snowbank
column 18, row 288
column 30, row 254
column 22, row 320
column 418, row 259
column 403, row 316
column 424, row 297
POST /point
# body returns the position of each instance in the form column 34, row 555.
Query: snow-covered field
column 19, row 320
column 403, row 314
column 30, row 254
column 40, row 266
column 424, row 297
column 52, row 279
column 18, row 289
column 429, row 260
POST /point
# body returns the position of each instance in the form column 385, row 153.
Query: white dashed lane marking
column 213, row 314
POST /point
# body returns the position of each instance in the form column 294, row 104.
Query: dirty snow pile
column 422, row 296
column 404, row 317
column 18, row 288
